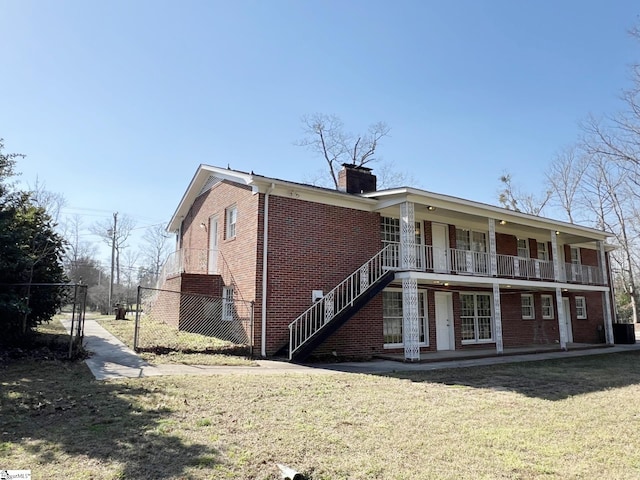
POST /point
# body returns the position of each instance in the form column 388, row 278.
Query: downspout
column 265, row 242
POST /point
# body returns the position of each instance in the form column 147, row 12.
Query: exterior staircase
column 329, row 313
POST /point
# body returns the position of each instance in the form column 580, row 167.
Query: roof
column 384, row 201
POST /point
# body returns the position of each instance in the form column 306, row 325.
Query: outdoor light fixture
column 503, row 222
column 557, row 232
column 430, row 208
column 203, row 225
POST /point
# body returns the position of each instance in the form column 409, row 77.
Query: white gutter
column 265, row 238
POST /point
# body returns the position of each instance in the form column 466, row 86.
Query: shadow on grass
column 51, row 408
column 548, row 379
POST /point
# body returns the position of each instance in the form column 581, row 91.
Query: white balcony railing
column 465, row 262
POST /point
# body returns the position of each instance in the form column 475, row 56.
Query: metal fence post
column 73, row 318
column 137, row 323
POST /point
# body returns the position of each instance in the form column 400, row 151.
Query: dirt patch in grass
column 482, row 422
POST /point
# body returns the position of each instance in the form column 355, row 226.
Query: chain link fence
column 34, row 298
column 167, row 320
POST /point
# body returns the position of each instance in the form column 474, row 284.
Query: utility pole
column 113, row 251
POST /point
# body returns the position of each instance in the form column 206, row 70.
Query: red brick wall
column 238, row 256
column 314, row 247
column 518, row 332
column 202, row 284
column 586, row 330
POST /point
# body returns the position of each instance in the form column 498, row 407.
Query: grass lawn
column 169, row 336
column 574, row 418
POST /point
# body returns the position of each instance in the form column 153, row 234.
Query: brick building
column 360, row 272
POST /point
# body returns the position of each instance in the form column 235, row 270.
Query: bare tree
column 512, row 198
column 52, row 202
column 77, row 248
column 104, row 230
column 326, row 136
column 155, row 249
column 608, row 193
column 564, row 176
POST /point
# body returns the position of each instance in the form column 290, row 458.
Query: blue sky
column 116, row 103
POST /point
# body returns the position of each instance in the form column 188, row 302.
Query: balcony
column 465, row 262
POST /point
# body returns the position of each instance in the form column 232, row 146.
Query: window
column 227, row 303
column 390, row 230
column 476, row 317
column 392, row 318
column 575, row 255
column 523, row 248
column 543, row 253
column 528, row 312
column 470, row 240
column 547, row 307
column 390, row 234
column 581, row 308
column 232, row 217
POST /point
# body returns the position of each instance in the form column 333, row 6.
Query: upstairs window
column 575, row 255
column 543, row 252
column 523, row 248
column 390, row 230
column 231, row 215
column 470, row 240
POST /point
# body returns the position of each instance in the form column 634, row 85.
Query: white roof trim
column 387, row 198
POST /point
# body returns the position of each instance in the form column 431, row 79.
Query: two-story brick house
column 362, row 272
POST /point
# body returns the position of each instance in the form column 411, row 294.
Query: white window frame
column 524, row 298
column 543, row 251
column 227, row 303
column 581, row 308
column 423, row 317
column 523, row 251
column 574, row 252
column 548, row 312
column 476, row 317
column 471, row 240
column 231, row 221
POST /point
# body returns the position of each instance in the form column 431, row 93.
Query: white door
column 440, row 240
column 567, row 318
column 213, row 246
column 445, row 339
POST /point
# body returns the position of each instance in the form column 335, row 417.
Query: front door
column 567, row 318
column 213, row 245
column 445, row 339
column 440, row 240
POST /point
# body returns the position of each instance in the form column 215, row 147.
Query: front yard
column 575, row 418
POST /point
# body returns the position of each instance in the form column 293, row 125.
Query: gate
column 167, row 320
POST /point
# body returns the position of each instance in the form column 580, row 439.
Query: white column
column 557, row 273
column 497, row 318
column 608, row 321
column 493, row 256
column 407, row 236
column 562, row 324
column 410, row 320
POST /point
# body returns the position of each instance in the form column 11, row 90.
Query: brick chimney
column 355, row 179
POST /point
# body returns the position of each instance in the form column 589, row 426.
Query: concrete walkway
column 112, row 359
